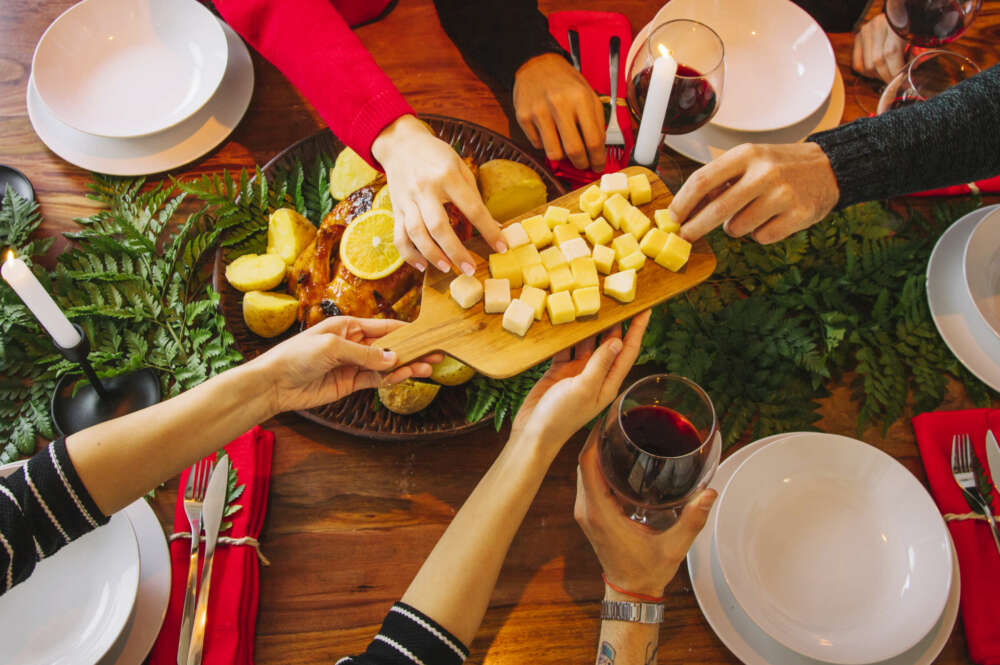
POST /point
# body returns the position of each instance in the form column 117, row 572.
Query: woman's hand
column 578, row 386
column 632, row 556
column 878, row 51
column 331, row 360
column 775, row 191
column 424, row 173
column 559, row 111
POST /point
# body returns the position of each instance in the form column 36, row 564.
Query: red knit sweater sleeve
column 313, row 46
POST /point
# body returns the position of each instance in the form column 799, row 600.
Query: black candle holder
column 76, row 408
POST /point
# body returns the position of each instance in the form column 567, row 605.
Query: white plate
column 76, row 603
column 833, row 548
column 982, row 269
column 126, row 68
column 166, row 150
column 741, row 635
column 140, row 633
column 779, row 63
column 708, row 141
column 955, row 315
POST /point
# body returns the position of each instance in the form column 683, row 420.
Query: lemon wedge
column 366, row 247
column 381, row 200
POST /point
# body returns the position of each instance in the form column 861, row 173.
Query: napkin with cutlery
column 595, row 30
column 235, row 590
column 978, row 560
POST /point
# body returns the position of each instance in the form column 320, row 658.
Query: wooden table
column 349, row 520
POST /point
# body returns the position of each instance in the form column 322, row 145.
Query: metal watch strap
column 620, row 610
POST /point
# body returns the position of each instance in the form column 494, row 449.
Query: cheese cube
column 614, row 183
column 635, row 222
column 515, row 235
column 496, row 296
column 561, row 279
column 538, row 231
column 556, row 215
column 552, row 258
column 587, row 301
column 624, row 245
column 604, row 257
column 675, row 253
column 561, row 308
column 565, row 232
column 505, row 266
column 620, row 286
column 579, row 220
column 574, row 248
column 584, row 272
column 527, row 255
column 466, row 290
column 599, row 232
column 535, row 298
column 518, row 317
column 536, row 275
column 634, row 261
column 653, row 242
column 592, row 201
column 615, row 207
column 666, row 221
column 639, row 190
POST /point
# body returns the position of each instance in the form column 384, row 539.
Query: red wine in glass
column 930, row 22
column 692, row 99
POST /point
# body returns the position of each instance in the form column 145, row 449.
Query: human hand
column 878, row 51
column 633, row 556
column 578, row 385
column 559, row 111
column 423, row 173
column 331, row 360
column 776, row 191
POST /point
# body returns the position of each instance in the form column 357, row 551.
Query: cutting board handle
column 412, row 341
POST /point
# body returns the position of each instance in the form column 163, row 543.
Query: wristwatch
column 619, row 610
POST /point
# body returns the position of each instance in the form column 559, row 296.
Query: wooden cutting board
column 479, row 340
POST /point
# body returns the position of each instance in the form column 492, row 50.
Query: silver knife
column 993, row 458
column 215, row 504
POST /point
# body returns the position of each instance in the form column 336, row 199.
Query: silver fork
column 194, row 495
column 614, row 140
column 963, row 466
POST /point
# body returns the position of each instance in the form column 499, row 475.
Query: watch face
column 606, row 656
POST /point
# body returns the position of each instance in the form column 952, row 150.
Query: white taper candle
column 16, row 273
column 661, row 81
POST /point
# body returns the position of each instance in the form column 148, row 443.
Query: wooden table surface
column 349, row 520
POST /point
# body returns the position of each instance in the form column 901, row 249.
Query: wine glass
column 659, row 444
column 929, row 74
column 930, row 22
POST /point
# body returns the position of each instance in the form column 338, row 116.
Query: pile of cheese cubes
column 551, row 252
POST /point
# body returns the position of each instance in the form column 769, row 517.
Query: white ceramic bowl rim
column 981, row 269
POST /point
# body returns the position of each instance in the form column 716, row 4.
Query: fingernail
column 615, row 346
column 443, row 266
column 706, row 501
column 501, row 246
column 421, row 267
column 468, row 268
column 389, row 356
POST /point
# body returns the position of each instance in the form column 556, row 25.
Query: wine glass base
column 75, row 410
column 670, row 172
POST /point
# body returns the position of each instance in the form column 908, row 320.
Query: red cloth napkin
column 595, row 30
column 232, row 602
column 988, row 186
column 978, row 559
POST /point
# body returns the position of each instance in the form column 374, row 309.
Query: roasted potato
column 510, row 188
column 288, row 233
column 408, row 397
column 349, row 173
column 451, row 372
column 269, row 314
column 256, row 272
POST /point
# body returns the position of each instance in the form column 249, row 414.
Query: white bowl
column 127, row 68
column 779, row 63
column 982, row 269
column 834, row 549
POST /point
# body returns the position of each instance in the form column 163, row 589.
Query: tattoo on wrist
column 606, row 654
column 651, row 651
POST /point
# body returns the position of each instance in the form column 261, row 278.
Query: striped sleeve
column 409, row 637
column 43, row 506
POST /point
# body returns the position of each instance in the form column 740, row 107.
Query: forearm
column 120, row 460
column 456, row 581
column 624, row 642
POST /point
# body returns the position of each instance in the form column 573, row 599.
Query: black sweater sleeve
column 836, row 15
column 951, row 139
column 410, row 637
column 497, row 36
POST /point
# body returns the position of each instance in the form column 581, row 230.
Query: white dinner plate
column 127, row 68
column 76, row 603
column 166, row 150
column 708, row 141
column 741, row 635
column 955, row 315
column 833, row 548
column 981, row 262
column 779, row 63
